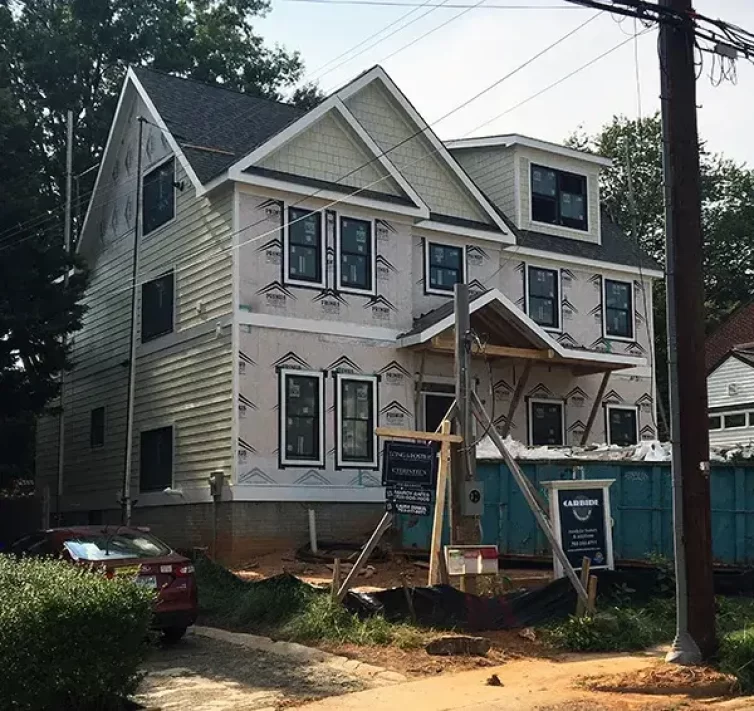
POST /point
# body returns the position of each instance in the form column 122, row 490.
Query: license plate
column 148, row 581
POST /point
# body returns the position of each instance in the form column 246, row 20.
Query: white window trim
column 558, row 297
column 286, row 249
column 552, row 225
column 144, row 173
column 174, row 271
column 340, row 461
column 715, row 414
column 605, row 335
column 428, row 244
column 530, row 423
column 284, row 461
column 423, row 403
column 734, row 412
column 173, row 458
column 373, row 250
column 608, row 409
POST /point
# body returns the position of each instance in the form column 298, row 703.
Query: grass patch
column 285, row 608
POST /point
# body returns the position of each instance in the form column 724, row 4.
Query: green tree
column 632, row 191
column 73, row 54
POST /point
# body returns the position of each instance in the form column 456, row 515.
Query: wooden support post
column 335, row 579
column 435, row 549
column 592, row 593
column 586, row 564
column 595, row 408
column 523, row 484
column 443, row 568
column 516, row 399
column 382, row 526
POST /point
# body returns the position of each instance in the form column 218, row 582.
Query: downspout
column 126, row 498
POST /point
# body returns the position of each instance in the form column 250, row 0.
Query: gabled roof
column 736, row 330
column 214, row 126
column 506, row 140
column 519, row 332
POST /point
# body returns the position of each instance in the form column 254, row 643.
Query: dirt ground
column 205, row 675
column 378, row 575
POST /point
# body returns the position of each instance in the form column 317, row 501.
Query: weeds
column 287, row 609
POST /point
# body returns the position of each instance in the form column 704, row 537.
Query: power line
column 224, row 251
column 454, row 6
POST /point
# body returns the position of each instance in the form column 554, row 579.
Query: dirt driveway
column 208, row 675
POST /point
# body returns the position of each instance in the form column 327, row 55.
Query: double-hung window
column 356, row 258
column 622, row 425
column 157, row 303
column 158, row 196
column 558, row 198
column 156, row 461
column 618, row 307
column 546, row 422
column 304, row 254
column 301, row 418
column 543, row 296
column 444, row 267
column 356, row 409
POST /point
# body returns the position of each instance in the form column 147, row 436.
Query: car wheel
column 171, row 635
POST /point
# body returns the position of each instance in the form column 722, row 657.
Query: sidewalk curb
column 300, row 653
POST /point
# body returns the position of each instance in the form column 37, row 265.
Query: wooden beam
column 382, row 526
column 595, row 407
column 516, row 398
column 444, row 346
column 398, row 433
column 435, row 548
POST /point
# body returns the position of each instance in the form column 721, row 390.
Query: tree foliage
column 632, row 191
column 57, row 55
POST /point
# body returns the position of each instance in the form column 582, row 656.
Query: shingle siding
column 413, row 156
column 493, row 170
column 328, row 150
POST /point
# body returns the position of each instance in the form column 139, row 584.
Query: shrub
column 69, row 637
column 737, row 658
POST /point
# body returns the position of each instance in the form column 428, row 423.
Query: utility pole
column 695, row 633
column 67, row 244
column 464, row 529
column 126, row 502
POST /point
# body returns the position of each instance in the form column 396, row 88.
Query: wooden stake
column 409, row 598
column 443, row 568
column 592, row 592
column 382, row 526
column 335, row 578
column 581, row 606
column 439, row 514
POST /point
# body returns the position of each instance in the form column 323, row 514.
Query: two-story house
column 294, row 289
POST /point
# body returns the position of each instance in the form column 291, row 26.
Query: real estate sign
column 408, row 473
column 580, row 515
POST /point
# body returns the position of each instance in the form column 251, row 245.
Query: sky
column 448, row 55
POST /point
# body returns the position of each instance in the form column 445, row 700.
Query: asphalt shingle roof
column 736, row 330
column 214, row 126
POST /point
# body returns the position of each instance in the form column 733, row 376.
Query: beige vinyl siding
column 413, row 156
column 183, row 378
column 493, row 170
column 329, row 150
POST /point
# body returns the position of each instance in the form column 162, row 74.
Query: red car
column 127, row 551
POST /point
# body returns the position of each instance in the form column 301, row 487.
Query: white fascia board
column 516, row 140
column 496, row 237
column 166, row 132
column 378, row 73
column 333, row 196
column 537, row 331
column 578, row 261
column 331, row 328
column 105, row 154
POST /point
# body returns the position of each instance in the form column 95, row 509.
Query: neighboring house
column 729, row 355
column 295, row 284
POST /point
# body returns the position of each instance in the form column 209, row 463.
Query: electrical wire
column 455, row 6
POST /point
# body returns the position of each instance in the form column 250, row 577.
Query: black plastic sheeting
column 445, row 607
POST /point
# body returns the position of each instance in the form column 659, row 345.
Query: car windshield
column 115, row 546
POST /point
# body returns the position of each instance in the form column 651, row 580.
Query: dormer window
column 558, row 198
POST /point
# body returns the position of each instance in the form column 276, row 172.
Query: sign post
column 580, row 512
